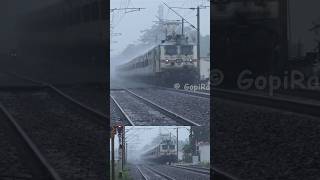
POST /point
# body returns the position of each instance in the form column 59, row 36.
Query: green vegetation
column 121, row 175
column 207, row 165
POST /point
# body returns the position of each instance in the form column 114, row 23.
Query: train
column 173, row 60
column 163, row 153
column 59, row 41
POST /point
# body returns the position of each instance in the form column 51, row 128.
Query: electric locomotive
column 173, row 60
column 165, row 152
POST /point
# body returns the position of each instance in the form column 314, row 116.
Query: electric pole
column 177, row 145
column 112, row 154
column 197, row 29
column 198, row 41
column 123, row 147
column 182, row 26
column 126, row 148
column 125, row 9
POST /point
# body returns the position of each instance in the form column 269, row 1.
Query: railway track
column 65, row 96
column 68, row 133
column 278, row 102
column 148, row 173
column 125, row 119
column 221, row 175
column 147, row 111
column 27, row 150
column 194, row 169
column 217, row 174
column 173, row 173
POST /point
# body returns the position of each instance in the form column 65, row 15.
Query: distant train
column 175, row 59
column 165, row 152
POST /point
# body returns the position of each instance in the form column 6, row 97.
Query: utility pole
column 198, row 29
column 125, row 9
column 182, row 27
column 123, row 147
column 112, row 154
column 177, row 145
column 126, row 148
column 198, row 41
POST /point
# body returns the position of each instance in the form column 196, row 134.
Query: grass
column 121, row 175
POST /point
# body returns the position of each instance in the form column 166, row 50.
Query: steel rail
column 165, row 111
column 280, row 103
column 160, row 173
column 142, row 174
column 122, row 111
column 221, row 175
column 36, row 161
column 201, row 171
column 67, row 97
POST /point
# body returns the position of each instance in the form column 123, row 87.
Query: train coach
column 175, row 59
column 165, row 152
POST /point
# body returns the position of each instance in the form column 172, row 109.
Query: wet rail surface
column 149, row 174
column 19, row 157
column 166, row 172
column 284, row 102
column 260, row 135
column 157, row 106
column 70, row 135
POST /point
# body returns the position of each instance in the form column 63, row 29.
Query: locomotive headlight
column 167, row 61
column 190, row 60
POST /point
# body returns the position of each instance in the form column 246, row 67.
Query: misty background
column 139, row 29
column 142, row 138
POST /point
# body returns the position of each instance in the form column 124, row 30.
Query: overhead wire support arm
column 125, row 9
column 180, row 16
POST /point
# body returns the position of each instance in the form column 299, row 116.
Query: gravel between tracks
column 115, row 114
column 259, row 143
column 150, row 174
column 194, row 108
column 10, row 163
column 179, row 174
column 95, row 97
column 134, row 173
column 141, row 114
column 69, row 138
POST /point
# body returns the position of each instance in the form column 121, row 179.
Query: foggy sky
column 132, row 23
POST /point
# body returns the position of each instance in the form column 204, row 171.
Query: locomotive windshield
column 164, row 147
column 172, row 147
column 171, row 50
column 187, row 50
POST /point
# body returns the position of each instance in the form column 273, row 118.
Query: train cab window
column 170, row 50
column 172, row 147
column 164, row 147
column 187, row 50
